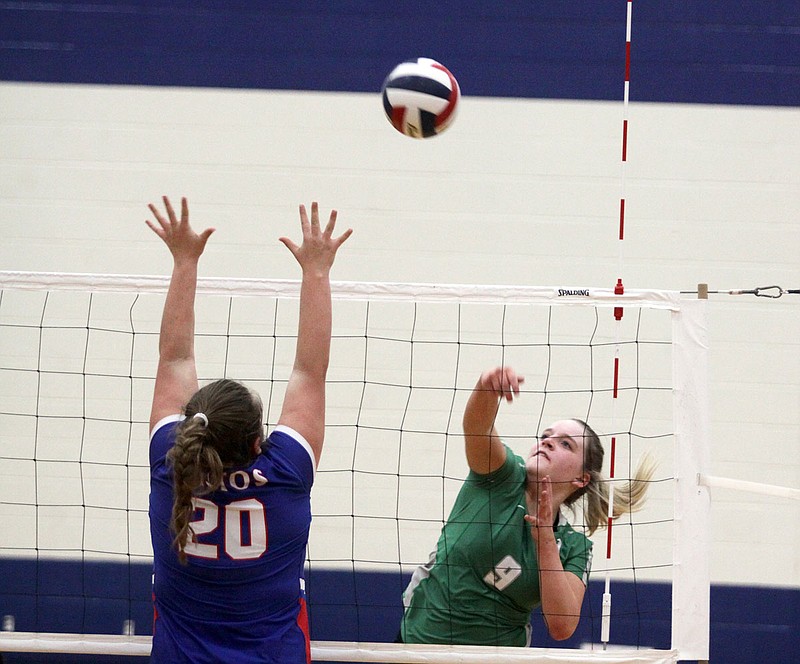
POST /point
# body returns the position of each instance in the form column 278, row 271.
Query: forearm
column 176, row 340
column 304, row 400
column 561, row 591
column 484, row 449
column 314, row 325
column 480, row 412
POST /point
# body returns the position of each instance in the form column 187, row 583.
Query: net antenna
column 78, row 360
column 619, row 289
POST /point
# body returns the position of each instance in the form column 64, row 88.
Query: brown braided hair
column 202, row 452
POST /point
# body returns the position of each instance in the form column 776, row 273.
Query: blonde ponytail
column 629, row 496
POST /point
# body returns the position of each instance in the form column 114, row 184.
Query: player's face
column 559, row 454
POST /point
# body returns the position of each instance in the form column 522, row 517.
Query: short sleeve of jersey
column 575, row 551
column 296, row 454
column 511, row 473
column 162, row 437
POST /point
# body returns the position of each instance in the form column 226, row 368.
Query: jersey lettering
column 504, row 573
column 206, row 524
column 239, row 480
column 235, row 513
column 240, row 517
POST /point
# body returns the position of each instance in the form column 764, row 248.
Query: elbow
column 562, row 635
column 560, row 630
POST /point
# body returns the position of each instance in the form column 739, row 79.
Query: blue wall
column 745, row 52
column 749, row 625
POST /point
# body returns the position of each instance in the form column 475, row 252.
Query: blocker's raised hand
column 319, row 247
column 177, row 234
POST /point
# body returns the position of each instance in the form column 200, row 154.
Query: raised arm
column 176, row 376
column 561, row 591
column 484, row 449
column 304, row 402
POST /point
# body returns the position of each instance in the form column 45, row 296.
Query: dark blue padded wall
column 748, row 624
column 745, row 52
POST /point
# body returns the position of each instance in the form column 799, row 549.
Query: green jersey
column 482, row 582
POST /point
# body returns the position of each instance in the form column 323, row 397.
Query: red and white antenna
column 619, row 289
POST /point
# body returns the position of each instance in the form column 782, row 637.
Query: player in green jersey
column 507, row 546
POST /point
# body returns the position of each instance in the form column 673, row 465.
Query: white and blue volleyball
column 420, row 98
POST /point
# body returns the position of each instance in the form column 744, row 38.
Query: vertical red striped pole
column 619, row 289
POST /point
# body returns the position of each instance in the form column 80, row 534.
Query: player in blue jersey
column 230, row 510
column 507, row 546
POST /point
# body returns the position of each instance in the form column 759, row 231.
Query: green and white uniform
column 482, row 582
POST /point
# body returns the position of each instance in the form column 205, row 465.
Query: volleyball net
column 78, row 356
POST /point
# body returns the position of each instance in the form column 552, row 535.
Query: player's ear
column 582, row 481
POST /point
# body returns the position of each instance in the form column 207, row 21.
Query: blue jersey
column 240, row 598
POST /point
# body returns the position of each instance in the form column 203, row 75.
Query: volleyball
column 420, row 97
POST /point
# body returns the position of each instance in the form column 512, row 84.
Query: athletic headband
column 201, row 416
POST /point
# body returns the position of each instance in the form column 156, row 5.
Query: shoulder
column 511, row 473
column 514, row 465
column 290, row 445
column 166, row 425
column 162, row 436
